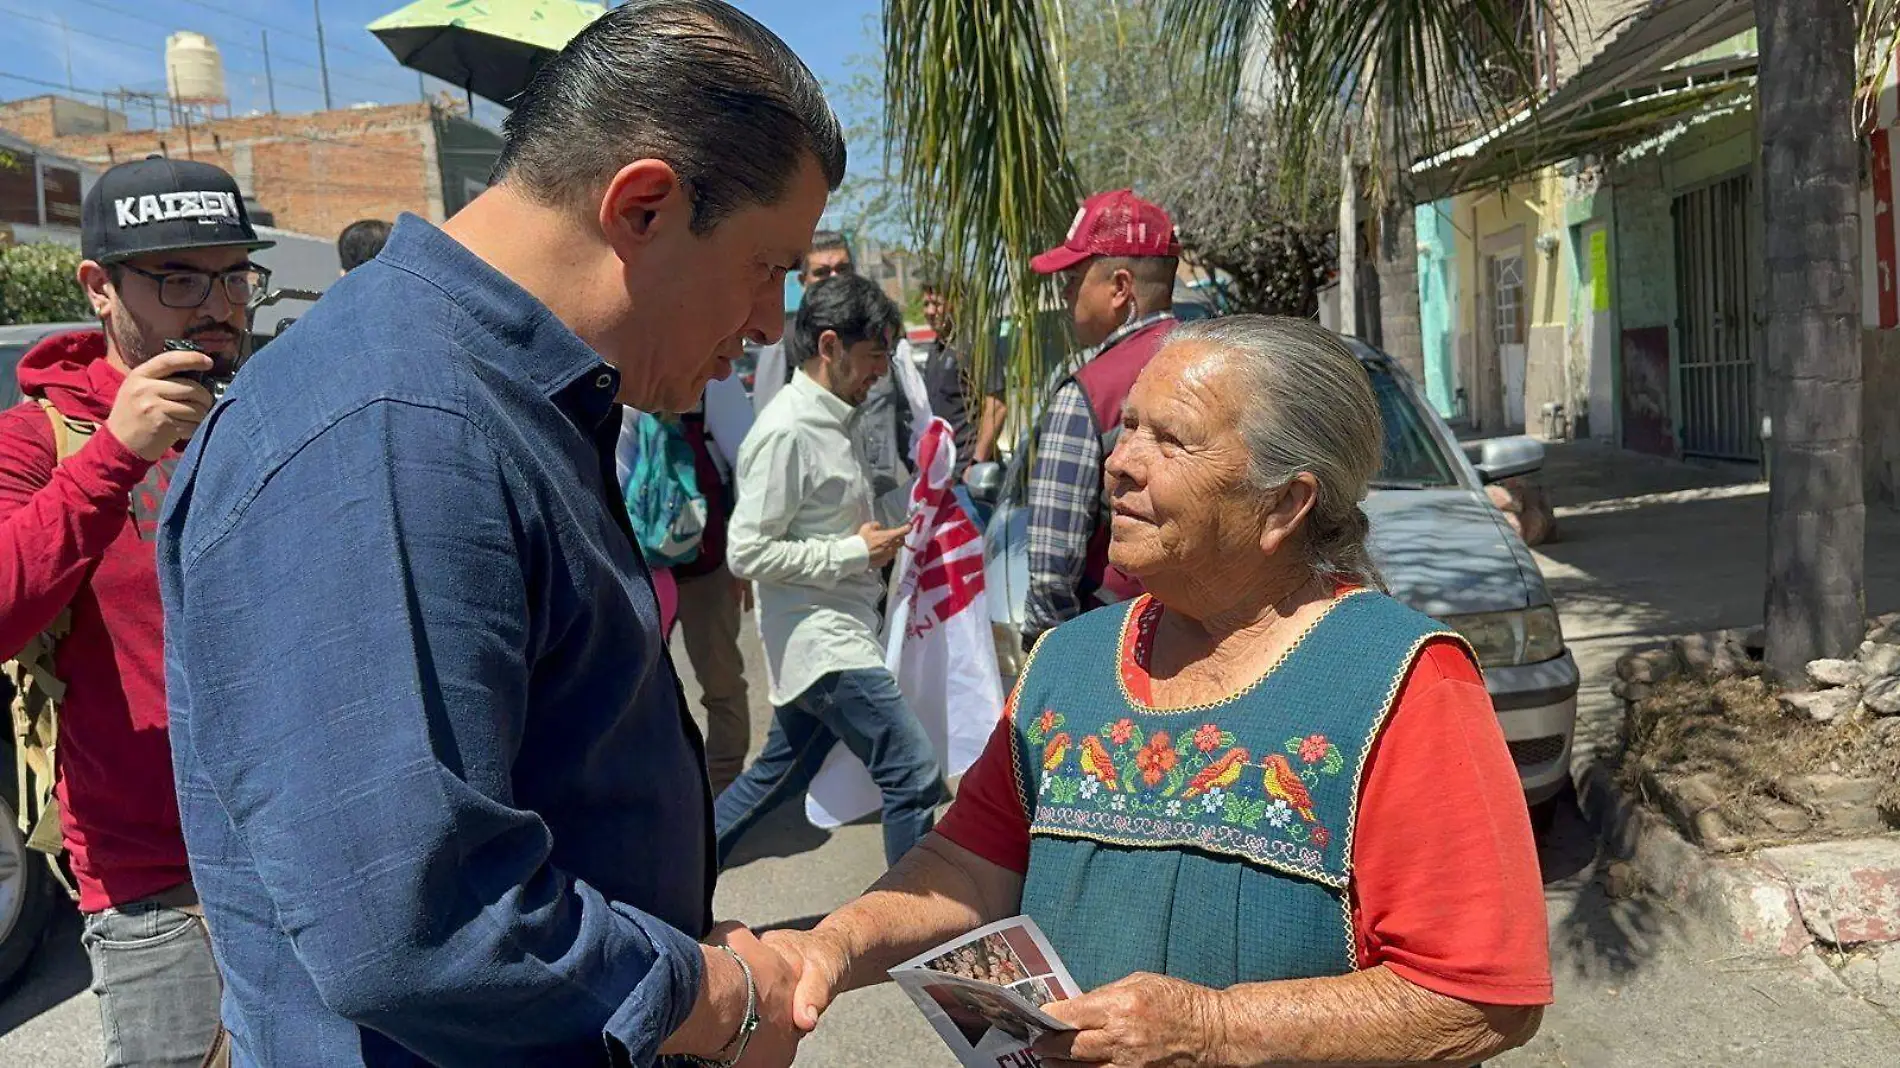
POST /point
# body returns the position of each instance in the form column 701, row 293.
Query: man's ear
column 1290, row 513
column 642, row 200
column 830, row 346
column 97, row 284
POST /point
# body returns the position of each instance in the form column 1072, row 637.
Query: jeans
column 158, row 987
column 864, row 709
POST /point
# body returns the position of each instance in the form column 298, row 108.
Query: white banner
column 937, row 639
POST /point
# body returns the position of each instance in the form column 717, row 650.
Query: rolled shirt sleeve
column 359, row 752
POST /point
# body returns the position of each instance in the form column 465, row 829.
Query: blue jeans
column 158, row 987
column 864, row 709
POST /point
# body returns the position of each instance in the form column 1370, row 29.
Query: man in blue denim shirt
column 441, row 795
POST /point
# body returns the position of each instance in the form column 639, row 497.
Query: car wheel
column 26, row 896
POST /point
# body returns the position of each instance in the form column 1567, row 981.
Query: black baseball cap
column 158, row 204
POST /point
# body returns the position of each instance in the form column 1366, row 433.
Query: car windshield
column 1413, row 457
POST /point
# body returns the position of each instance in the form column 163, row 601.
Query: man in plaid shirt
column 1117, row 267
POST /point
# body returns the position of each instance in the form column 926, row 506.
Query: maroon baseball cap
column 1116, row 223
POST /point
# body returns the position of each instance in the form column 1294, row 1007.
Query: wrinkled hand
column 156, row 410
column 822, row 965
column 883, row 541
column 1143, row 1021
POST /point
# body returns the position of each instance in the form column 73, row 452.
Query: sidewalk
column 1652, row 548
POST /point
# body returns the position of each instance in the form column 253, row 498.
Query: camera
column 216, row 380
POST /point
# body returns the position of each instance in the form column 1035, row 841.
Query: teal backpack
column 664, row 504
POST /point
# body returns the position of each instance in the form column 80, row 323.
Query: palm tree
column 1810, row 160
column 977, row 129
column 975, row 105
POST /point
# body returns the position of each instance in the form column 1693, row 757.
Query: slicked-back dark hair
column 360, row 242
column 696, row 83
column 849, row 305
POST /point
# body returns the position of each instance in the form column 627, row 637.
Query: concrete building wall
column 1547, row 363
column 1645, row 294
column 1880, row 416
column 1646, row 182
column 1438, row 277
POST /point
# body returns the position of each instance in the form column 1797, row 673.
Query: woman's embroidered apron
column 1212, row 843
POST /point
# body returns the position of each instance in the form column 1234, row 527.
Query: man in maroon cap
column 1117, row 267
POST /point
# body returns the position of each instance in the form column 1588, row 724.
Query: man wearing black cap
column 84, row 465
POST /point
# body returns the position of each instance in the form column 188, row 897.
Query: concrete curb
column 1742, row 901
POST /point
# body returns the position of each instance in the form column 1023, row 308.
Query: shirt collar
column 527, row 342
column 818, row 396
column 1134, row 327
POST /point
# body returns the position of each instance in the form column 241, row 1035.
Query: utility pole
column 323, row 57
column 270, row 83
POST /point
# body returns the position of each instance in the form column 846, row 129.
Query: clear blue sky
column 120, row 43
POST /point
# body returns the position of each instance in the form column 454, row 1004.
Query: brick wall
column 30, row 119
column 317, row 172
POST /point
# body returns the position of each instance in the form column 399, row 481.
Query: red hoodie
column 81, row 534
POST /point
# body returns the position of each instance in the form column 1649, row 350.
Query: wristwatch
column 730, row 1054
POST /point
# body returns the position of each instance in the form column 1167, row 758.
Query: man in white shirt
column 803, row 531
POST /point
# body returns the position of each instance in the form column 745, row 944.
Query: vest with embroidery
column 1211, row 843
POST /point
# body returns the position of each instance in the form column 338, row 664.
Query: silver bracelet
column 747, row 1025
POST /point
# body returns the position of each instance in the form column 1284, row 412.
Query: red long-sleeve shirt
column 81, row 533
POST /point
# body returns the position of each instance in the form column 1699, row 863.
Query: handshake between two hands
column 1142, row 1021
column 794, row 977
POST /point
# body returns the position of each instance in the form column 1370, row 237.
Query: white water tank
column 194, row 72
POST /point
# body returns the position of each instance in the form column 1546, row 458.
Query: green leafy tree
column 39, row 284
column 1237, row 212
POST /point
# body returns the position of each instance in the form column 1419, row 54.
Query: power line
column 70, row 29
column 50, row 85
column 378, row 76
column 229, row 13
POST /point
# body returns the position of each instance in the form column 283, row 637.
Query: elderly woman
column 1264, row 811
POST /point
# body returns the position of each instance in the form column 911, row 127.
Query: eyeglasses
column 190, row 289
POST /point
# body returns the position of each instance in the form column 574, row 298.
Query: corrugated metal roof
column 1633, row 82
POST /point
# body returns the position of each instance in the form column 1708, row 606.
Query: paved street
column 1635, row 985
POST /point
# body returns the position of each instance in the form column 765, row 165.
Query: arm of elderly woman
column 1414, row 925
column 1373, row 1017
column 937, row 891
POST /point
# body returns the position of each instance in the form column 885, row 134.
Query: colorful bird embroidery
column 1221, row 773
column 1056, row 752
column 1282, row 782
column 1096, row 762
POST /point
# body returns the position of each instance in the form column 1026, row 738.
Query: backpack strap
column 69, row 434
column 38, row 692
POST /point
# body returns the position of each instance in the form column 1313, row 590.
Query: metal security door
column 1715, row 374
